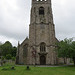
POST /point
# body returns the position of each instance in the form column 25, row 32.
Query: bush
column 13, row 58
column 3, row 58
column 8, row 56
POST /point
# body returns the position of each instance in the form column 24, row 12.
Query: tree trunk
column 74, row 60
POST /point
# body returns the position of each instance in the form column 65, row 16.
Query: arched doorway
column 42, row 60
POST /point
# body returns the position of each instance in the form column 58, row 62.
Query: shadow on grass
column 8, row 68
column 71, row 66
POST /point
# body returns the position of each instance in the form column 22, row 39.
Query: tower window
column 42, row 47
column 41, row 11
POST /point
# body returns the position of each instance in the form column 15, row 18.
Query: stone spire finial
column 18, row 43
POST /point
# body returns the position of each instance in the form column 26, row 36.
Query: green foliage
column 0, row 50
column 8, row 69
column 8, row 56
column 13, row 52
column 66, row 48
column 3, row 58
column 72, row 49
column 7, row 48
column 13, row 58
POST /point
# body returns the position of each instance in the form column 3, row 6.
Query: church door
column 42, row 60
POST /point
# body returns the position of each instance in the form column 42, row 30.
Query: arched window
column 25, row 49
column 42, row 47
column 41, row 11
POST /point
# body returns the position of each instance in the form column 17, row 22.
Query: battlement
column 41, row 1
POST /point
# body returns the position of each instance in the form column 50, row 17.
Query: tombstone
column 28, row 68
column 13, row 68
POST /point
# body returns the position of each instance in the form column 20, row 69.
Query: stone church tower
column 39, row 48
column 42, row 32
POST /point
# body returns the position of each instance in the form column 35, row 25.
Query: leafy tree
column 8, row 56
column 2, row 58
column 66, row 49
column 13, row 58
column 13, row 52
column 6, row 48
column 72, row 51
column 0, row 50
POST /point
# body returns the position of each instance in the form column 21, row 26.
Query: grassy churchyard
column 21, row 70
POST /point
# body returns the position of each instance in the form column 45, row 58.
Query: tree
column 13, row 52
column 66, row 49
column 6, row 48
column 0, row 50
column 72, row 51
column 7, row 51
column 13, row 58
column 8, row 56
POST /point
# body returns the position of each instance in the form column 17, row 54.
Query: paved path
column 47, row 66
column 53, row 65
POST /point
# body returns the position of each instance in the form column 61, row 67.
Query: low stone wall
column 6, row 62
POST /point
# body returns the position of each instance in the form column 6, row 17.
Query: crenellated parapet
column 41, row 1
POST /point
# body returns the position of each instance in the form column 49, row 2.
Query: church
column 39, row 48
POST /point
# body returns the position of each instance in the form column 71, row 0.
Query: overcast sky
column 15, row 19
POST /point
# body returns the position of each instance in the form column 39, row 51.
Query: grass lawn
column 21, row 70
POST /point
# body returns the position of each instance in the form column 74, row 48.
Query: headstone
column 27, row 68
column 13, row 68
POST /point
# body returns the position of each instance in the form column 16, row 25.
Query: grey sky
column 15, row 19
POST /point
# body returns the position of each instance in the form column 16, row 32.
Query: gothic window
column 41, row 11
column 42, row 47
column 25, row 49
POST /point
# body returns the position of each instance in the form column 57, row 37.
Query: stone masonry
column 39, row 48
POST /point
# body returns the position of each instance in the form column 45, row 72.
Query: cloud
column 64, row 18
column 15, row 19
